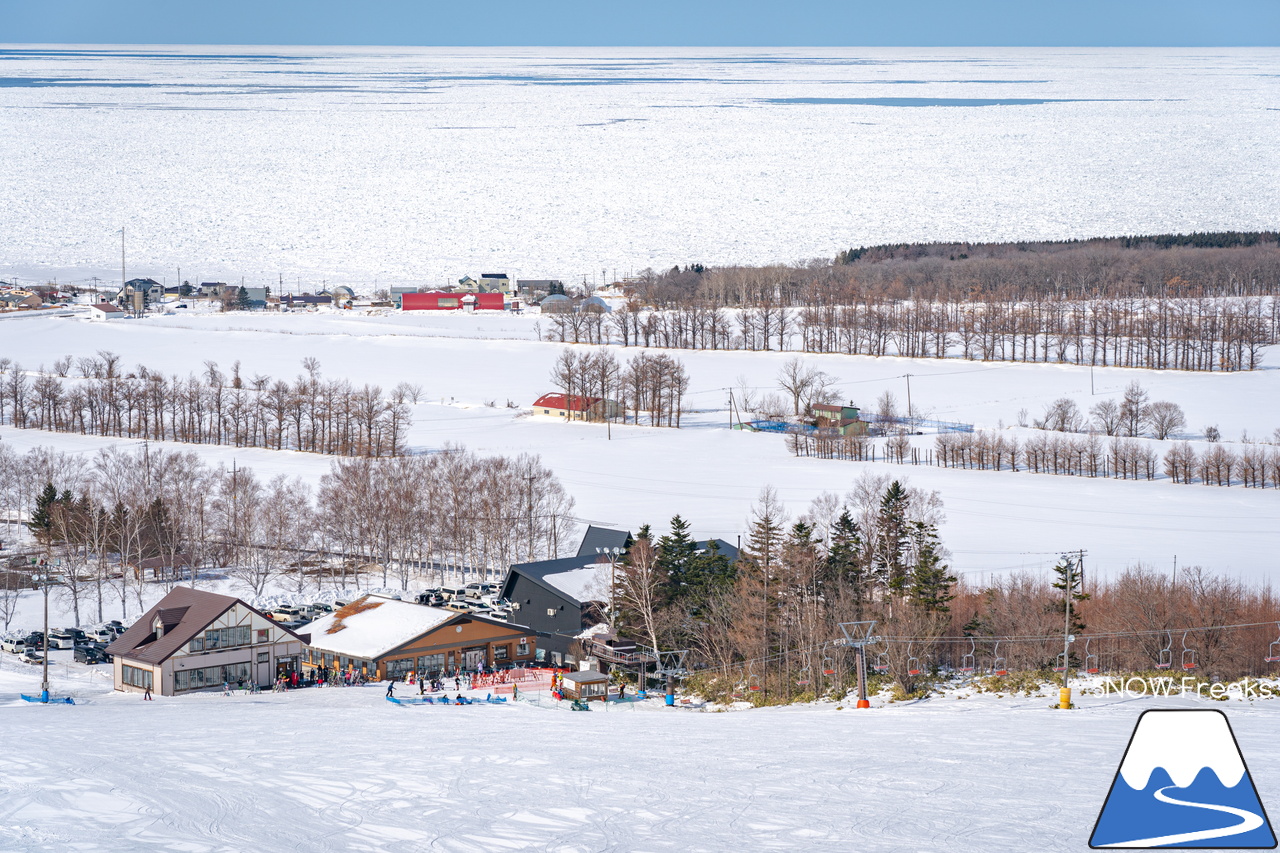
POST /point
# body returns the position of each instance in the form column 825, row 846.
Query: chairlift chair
column 1090, row 660
column 1188, row 655
column 753, row 682
column 804, row 679
column 998, row 665
column 1165, row 660
column 913, row 662
column 968, row 662
column 828, row 666
column 1061, row 662
column 1273, row 652
column 882, row 662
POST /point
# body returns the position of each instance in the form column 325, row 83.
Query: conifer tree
column 846, row 560
column 41, row 524
column 893, row 539
column 1069, row 566
column 931, row 584
column 243, row 302
column 676, row 554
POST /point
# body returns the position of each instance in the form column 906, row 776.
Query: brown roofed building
column 844, row 420
column 196, row 640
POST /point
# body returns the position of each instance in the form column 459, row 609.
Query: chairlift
column 1061, row 664
column 882, row 662
column 1090, row 660
column 968, row 662
column 753, row 682
column 1273, row 653
column 998, row 665
column 913, row 662
column 804, row 679
column 828, row 666
column 1188, row 655
column 1166, row 654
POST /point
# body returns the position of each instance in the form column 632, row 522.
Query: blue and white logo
column 1183, row 783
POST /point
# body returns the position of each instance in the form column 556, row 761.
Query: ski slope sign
column 1183, row 783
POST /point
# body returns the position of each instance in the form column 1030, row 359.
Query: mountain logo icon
column 1183, row 783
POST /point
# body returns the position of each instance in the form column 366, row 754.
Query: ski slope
column 340, row 769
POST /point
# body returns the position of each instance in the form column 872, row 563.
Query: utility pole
column 122, row 260
column 1064, row 695
column 909, row 416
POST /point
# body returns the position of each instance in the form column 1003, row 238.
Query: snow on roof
column 590, row 583
column 560, row 401
column 371, row 627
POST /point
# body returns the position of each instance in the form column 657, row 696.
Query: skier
column 422, row 687
column 146, row 697
column 391, row 688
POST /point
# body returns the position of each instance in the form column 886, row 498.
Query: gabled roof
column 184, row 613
column 603, row 537
column 371, row 627
column 573, row 403
column 563, row 577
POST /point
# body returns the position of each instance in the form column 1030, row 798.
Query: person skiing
column 422, row 687
column 391, row 688
column 146, row 696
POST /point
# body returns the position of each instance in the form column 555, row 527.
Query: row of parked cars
column 480, row 599
column 87, row 645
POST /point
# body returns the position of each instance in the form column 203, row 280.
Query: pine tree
column 243, row 302
column 1068, row 566
column 41, row 524
column 676, row 552
column 893, row 539
column 931, row 585
column 846, row 560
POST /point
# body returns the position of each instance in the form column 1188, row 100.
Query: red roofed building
column 438, row 300
column 575, row 407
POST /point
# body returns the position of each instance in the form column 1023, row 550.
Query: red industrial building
column 440, row 301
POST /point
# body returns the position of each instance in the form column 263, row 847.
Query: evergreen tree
column 714, row 568
column 931, row 585
column 243, row 303
column 41, row 524
column 846, row 559
column 676, row 554
column 893, row 540
column 1068, row 566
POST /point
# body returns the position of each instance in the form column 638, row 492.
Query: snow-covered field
column 340, row 769
column 422, row 165
column 996, row 521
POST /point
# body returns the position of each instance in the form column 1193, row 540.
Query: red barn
column 439, row 301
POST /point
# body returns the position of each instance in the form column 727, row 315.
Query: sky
column 817, row 23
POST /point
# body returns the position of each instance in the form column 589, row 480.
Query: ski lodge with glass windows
column 382, row 638
column 193, row 640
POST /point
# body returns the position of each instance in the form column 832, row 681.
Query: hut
column 588, row 685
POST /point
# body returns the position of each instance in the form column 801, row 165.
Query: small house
column 843, row 420
column 587, row 685
column 19, row 299
column 575, row 407
column 438, row 300
column 102, row 311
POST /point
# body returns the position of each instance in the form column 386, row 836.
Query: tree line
column 310, row 413
column 120, row 520
column 648, row 384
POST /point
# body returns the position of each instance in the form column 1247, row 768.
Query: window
column 399, row 668
column 135, row 676
column 430, row 665
column 226, row 638
column 264, row 657
column 212, row 676
column 502, row 652
column 196, row 645
column 522, row 649
column 264, row 635
column 551, row 611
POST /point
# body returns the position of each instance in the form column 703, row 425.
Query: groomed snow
column 590, row 583
column 340, row 770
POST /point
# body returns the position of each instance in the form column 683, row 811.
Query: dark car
column 89, row 655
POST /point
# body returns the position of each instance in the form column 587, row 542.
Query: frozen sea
column 418, row 165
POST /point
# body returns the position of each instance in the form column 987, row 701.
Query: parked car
column 457, row 606
column 102, row 635
column 431, row 599
column 35, row 639
column 321, row 607
column 31, row 656
column 13, row 645
column 286, row 614
column 89, row 655
column 474, row 588
column 493, row 588
column 61, row 640
column 76, row 633
column 452, row 592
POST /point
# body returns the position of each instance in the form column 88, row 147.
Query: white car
column 13, row 646
column 61, row 640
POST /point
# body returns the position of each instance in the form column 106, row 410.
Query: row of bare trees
column 648, row 384
column 122, row 519
column 309, row 414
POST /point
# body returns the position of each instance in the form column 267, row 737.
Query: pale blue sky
column 646, row 22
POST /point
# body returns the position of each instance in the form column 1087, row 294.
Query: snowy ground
column 996, row 521
column 341, row 769
column 421, row 165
